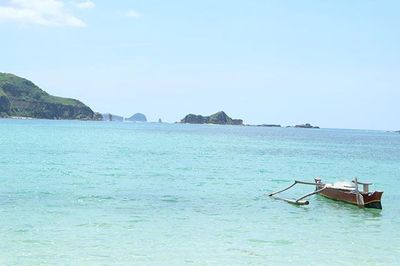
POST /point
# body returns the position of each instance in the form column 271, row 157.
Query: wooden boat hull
column 371, row 199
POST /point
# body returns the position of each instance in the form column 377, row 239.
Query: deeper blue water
column 98, row 193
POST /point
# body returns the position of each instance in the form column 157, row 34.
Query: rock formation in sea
column 20, row 97
column 220, row 118
column 307, row 125
column 138, row 117
column 269, row 125
column 111, row 117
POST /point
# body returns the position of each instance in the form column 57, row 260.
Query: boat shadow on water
column 334, row 205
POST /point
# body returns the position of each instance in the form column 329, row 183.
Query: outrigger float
column 349, row 194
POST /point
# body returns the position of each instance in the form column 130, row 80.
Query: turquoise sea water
column 97, row 193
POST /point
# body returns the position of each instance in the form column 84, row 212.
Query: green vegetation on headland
column 218, row 118
column 20, row 97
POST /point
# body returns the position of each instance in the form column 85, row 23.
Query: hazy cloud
column 133, row 14
column 40, row 12
column 85, row 5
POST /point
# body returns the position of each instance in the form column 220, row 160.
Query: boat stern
column 373, row 200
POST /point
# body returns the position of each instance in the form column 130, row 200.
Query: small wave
column 170, row 199
column 257, row 241
column 96, row 198
column 100, row 225
column 279, row 180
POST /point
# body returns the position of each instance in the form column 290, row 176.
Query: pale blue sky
column 329, row 63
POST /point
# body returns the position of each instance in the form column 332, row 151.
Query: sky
column 334, row 64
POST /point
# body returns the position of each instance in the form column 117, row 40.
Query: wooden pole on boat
column 305, row 183
column 293, row 201
column 295, row 182
column 359, row 196
column 299, row 201
column 310, row 194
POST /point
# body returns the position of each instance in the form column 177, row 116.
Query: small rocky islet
column 219, row 118
column 307, row 125
column 138, row 117
column 268, row 125
column 112, row 117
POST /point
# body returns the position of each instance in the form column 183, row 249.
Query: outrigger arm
column 299, row 201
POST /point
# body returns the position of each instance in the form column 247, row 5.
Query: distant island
column 268, row 125
column 220, row 118
column 20, row 97
column 305, row 126
column 111, row 117
column 138, row 117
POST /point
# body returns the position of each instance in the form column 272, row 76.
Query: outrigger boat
column 345, row 193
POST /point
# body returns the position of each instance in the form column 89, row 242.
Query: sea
column 109, row 193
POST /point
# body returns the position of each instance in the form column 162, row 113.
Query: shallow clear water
column 97, row 193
